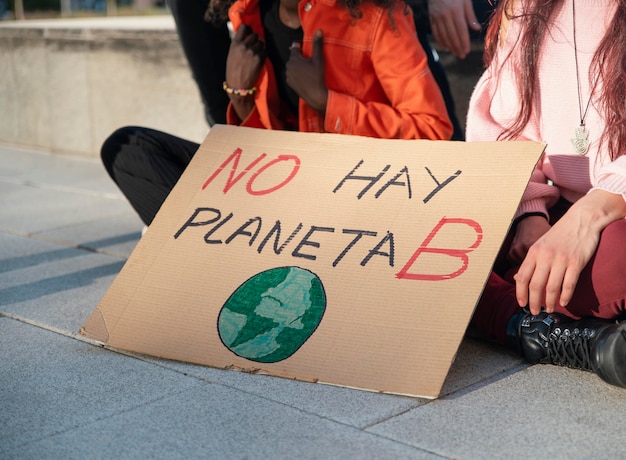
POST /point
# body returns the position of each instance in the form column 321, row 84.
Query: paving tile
column 63, row 197
column 543, row 411
column 28, row 209
column 66, row 199
column 117, row 235
column 476, row 362
column 54, row 285
column 63, row 398
column 50, row 384
column 479, row 361
column 218, row 422
column 353, row 407
column 53, row 170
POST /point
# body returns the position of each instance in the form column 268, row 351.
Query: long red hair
column 608, row 66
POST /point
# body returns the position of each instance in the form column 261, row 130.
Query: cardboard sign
column 326, row 258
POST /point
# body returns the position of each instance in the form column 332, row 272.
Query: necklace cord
column 580, row 109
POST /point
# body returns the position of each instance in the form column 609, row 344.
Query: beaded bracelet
column 237, row 91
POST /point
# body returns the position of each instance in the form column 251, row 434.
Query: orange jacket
column 378, row 80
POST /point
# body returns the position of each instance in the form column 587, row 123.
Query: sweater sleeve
column 612, row 177
column 416, row 109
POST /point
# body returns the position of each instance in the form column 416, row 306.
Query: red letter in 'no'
column 233, row 179
column 461, row 254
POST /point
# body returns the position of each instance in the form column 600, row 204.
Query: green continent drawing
column 271, row 315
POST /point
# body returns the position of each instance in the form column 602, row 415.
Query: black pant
column 146, row 164
column 436, row 68
column 206, row 48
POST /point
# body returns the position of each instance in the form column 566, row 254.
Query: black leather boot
column 590, row 344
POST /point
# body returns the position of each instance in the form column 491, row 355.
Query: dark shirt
column 278, row 39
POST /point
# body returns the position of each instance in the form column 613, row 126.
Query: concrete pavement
column 65, row 232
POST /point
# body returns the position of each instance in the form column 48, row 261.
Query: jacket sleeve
column 416, row 109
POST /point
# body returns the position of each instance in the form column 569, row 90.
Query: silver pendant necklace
column 580, row 141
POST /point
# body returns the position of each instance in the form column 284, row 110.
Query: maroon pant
column 600, row 292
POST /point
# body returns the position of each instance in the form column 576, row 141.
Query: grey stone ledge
column 159, row 27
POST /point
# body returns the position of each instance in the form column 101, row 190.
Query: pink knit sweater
column 495, row 103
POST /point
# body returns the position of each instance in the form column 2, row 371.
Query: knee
column 610, row 258
column 612, row 240
column 114, row 144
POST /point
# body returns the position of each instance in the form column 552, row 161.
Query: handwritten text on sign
column 224, row 228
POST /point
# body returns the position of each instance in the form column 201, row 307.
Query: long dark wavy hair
column 217, row 10
column 608, row 66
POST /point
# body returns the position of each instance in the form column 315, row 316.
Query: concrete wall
column 65, row 85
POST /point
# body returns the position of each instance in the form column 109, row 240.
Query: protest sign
column 326, row 258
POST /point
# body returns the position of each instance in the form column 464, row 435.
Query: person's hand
column 243, row 65
column 550, row 271
column 245, row 58
column 450, row 21
column 528, row 231
column 306, row 76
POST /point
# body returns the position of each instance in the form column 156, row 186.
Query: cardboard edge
column 259, row 372
column 95, row 327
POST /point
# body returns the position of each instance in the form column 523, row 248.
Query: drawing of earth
column 271, row 315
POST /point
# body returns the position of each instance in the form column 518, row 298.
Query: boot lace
column 570, row 347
